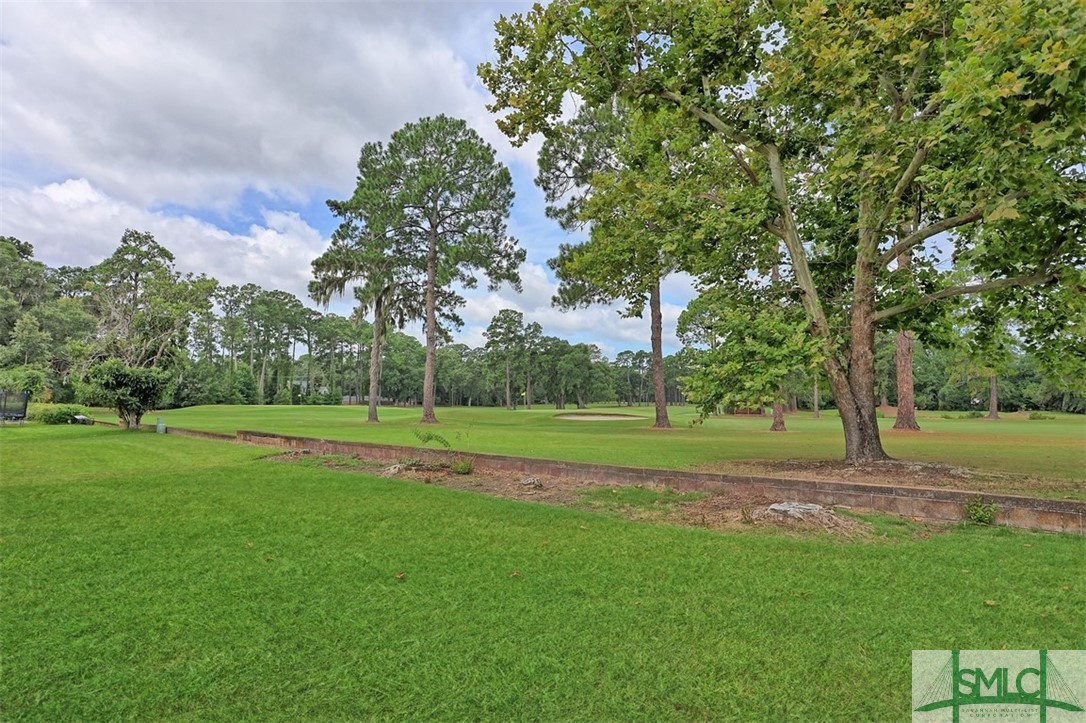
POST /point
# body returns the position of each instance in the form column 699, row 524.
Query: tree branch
column 895, row 97
column 790, row 235
column 927, row 232
column 1045, row 274
column 743, row 164
column 713, row 121
column 914, row 82
column 903, row 184
column 929, row 109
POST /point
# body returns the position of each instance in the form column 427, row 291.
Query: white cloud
column 173, row 117
column 73, row 223
column 603, row 325
column 192, row 104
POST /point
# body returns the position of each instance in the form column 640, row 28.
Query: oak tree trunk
column 778, row 417
column 816, row 412
column 993, row 398
column 853, row 384
column 854, row 390
column 659, row 388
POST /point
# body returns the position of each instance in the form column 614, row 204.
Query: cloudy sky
column 223, row 127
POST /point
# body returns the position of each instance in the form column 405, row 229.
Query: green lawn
column 159, row 577
column 1047, row 447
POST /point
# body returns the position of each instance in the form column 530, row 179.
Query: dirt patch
column 598, row 417
column 900, row 473
column 728, row 512
column 722, row 511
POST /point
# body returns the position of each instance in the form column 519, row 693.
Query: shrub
column 58, row 413
column 131, row 391
column 461, row 465
column 1041, row 415
column 978, row 512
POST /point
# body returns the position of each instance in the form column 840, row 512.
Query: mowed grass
column 1015, row 444
column 167, row 578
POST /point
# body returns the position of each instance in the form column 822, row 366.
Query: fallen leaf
column 991, row 603
column 514, row 573
column 401, row 575
column 269, row 558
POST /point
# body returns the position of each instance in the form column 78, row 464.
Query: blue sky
column 222, row 128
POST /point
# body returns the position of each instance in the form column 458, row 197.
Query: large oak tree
column 833, row 117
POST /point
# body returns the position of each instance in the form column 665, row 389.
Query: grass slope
column 160, row 577
column 1048, row 447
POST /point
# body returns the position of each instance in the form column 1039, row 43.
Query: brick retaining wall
column 926, row 502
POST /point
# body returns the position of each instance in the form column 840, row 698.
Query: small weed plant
column 978, row 512
column 461, row 465
column 425, row 437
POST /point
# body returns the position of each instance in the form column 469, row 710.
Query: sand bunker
column 598, row 417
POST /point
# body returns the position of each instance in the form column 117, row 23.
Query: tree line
column 63, row 329
column 187, row 340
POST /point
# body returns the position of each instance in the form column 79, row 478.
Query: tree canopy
column 431, row 206
column 824, row 127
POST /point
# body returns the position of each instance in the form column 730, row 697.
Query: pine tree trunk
column 993, row 398
column 906, row 398
column 528, row 389
column 508, row 386
column 263, row 372
column 375, row 361
column 659, row 388
column 308, row 365
column 428, row 416
column 778, row 406
column 815, row 401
